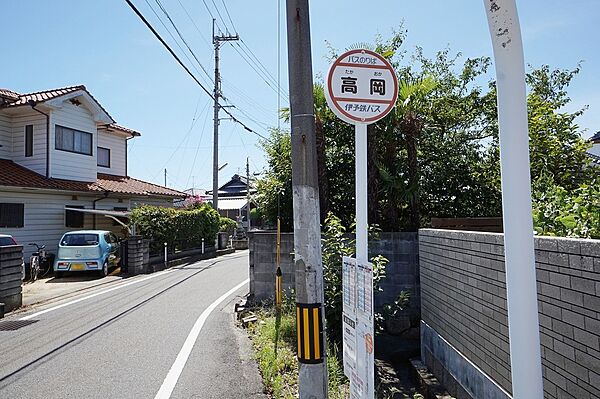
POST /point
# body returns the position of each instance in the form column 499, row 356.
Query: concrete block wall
column 402, row 271
column 262, row 263
column 465, row 325
column 11, row 260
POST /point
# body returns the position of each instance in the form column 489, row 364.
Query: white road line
column 166, row 389
column 41, row 312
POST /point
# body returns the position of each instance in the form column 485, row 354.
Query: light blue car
column 87, row 250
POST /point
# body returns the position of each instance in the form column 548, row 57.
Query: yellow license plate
column 78, row 266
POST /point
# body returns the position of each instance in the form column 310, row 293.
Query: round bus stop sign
column 361, row 87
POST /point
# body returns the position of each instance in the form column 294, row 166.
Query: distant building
column 233, row 200
column 594, row 152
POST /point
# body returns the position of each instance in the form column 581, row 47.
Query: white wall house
column 60, row 148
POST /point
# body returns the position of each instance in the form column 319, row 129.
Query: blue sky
column 103, row 45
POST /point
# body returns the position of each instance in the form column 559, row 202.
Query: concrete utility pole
column 248, row 192
column 217, row 39
column 312, row 376
column 165, row 177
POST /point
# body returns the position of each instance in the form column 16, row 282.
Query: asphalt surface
column 123, row 343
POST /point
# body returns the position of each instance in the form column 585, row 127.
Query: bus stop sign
column 361, row 87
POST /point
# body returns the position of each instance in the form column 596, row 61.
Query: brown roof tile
column 120, row 128
column 9, row 94
column 45, row 95
column 14, row 175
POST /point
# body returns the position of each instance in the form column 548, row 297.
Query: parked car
column 7, row 240
column 87, row 250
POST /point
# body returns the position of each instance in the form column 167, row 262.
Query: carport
column 114, row 215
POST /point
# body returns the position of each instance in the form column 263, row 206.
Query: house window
column 12, row 215
column 73, row 140
column 29, row 140
column 74, row 218
column 104, row 157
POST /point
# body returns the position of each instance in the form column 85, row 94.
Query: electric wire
column 229, row 16
column 194, row 23
column 254, row 66
column 220, row 16
column 187, row 70
column 259, row 62
column 197, row 150
column 164, row 10
column 170, row 34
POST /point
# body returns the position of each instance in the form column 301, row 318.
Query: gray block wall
column 402, row 271
column 11, row 260
column 262, row 263
column 463, row 303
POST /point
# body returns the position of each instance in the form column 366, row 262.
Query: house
column 594, row 152
column 233, row 198
column 63, row 166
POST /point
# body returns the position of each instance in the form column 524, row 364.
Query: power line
column 262, row 66
column 194, row 23
column 182, row 38
column 220, row 16
column 187, row 70
column 170, row 34
column 249, row 61
column 229, row 16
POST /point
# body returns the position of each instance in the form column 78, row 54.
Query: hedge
column 179, row 228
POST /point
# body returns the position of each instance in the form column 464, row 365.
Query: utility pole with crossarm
column 217, row 39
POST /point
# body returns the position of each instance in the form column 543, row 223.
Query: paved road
column 165, row 335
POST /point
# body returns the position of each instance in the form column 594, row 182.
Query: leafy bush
column 179, row 228
column 567, row 213
column 335, row 244
column 227, row 225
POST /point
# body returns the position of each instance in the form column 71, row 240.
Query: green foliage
column 227, row 225
column 568, row 213
column 274, row 341
column 274, row 190
column 179, row 228
column 437, row 153
column 335, row 244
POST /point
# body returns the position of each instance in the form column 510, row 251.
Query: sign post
column 521, row 288
column 362, row 88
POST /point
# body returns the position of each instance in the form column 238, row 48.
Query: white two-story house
column 63, row 166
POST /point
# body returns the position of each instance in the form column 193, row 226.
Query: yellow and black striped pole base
column 309, row 324
column 278, row 288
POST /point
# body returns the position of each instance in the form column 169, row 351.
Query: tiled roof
column 41, row 96
column 45, row 95
column 595, row 138
column 595, row 158
column 14, row 175
column 124, row 129
column 9, row 94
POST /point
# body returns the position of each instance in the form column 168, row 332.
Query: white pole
column 203, row 246
column 523, row 323
column 361, row 193
column 165, row 253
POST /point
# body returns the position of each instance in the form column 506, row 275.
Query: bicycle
column 35, row 260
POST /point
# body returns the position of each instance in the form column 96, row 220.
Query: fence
column 11, row 273
column 464, row 326
column 402, row 271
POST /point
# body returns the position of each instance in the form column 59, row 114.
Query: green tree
column 437, row 154
column 274, row 189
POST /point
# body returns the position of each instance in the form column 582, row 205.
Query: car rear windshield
column 7, row 241
column 79, row 240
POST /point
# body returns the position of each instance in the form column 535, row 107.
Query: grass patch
column 274, row 341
